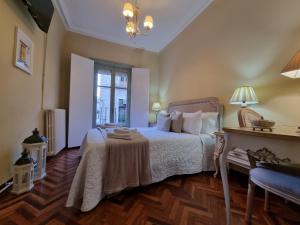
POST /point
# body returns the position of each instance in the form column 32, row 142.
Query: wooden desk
column 283, row 141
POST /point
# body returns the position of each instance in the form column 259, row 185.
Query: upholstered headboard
column 210, row 104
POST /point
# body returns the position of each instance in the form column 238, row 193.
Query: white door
column 139, row 105
column 81, row 99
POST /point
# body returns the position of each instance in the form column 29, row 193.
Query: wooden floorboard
column 181, row 200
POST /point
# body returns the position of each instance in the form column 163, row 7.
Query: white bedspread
column 170, row 154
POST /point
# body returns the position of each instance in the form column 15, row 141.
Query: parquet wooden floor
column 182, row 200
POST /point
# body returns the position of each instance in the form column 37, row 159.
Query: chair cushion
column 289, row 168
column 280, row 181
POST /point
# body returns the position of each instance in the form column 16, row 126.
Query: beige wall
column 21, row 94
column 54, row 64
column 236, row 43
column 98, row 49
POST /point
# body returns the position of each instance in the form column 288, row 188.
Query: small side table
column 151, row 124
column 220, row 143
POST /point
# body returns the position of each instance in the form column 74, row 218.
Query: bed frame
column 210, row 104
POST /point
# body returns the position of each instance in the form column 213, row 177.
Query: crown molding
column 63, row 13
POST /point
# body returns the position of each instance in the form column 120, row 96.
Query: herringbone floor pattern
column 183, row 200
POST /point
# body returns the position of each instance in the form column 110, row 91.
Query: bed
column 170, row 154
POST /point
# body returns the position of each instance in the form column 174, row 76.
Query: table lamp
column 244, row 96
column 156, row 108
column 292, row 69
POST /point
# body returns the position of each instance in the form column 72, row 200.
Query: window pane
column 103, row 105
column 104, row 78
column 111, row 82
column 121, row 80
column 120, row 110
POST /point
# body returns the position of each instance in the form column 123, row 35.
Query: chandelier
column 131, row 13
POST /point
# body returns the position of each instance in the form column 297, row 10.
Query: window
column 111, row 102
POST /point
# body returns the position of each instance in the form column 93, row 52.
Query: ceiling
column 103, row 19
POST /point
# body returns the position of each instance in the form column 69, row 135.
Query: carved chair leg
column 250, row 201
column 266, row 206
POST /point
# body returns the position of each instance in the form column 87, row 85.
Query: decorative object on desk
column 36, row 146
column 292, row 69
column 156, row 108
column 23, row 174
column 23, row 51
column 263, row 124
column 245, row 96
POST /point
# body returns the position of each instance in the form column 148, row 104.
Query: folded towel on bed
column 128, row 161
column 128, row 136
column 125, row 130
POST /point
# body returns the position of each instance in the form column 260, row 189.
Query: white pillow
column 192, row 123
column 163, row 122
column 209, row 122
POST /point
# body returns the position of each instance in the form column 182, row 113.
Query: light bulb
column 128, row 10
column 130, row 28
column 148, row 22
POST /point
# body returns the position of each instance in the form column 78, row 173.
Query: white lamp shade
column 128, row 10
column 148, row 23
column 292, row 69
column 244, row 95
column 156, row 106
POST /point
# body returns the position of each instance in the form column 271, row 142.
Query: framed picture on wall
column 23, row 51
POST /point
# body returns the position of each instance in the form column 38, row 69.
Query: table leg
column 216, row 159
column 220, row 143
column 223, row 170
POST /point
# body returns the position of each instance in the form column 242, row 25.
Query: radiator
column 55, row 125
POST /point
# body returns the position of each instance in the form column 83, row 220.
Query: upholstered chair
column 246, row 116
column 275, row 175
